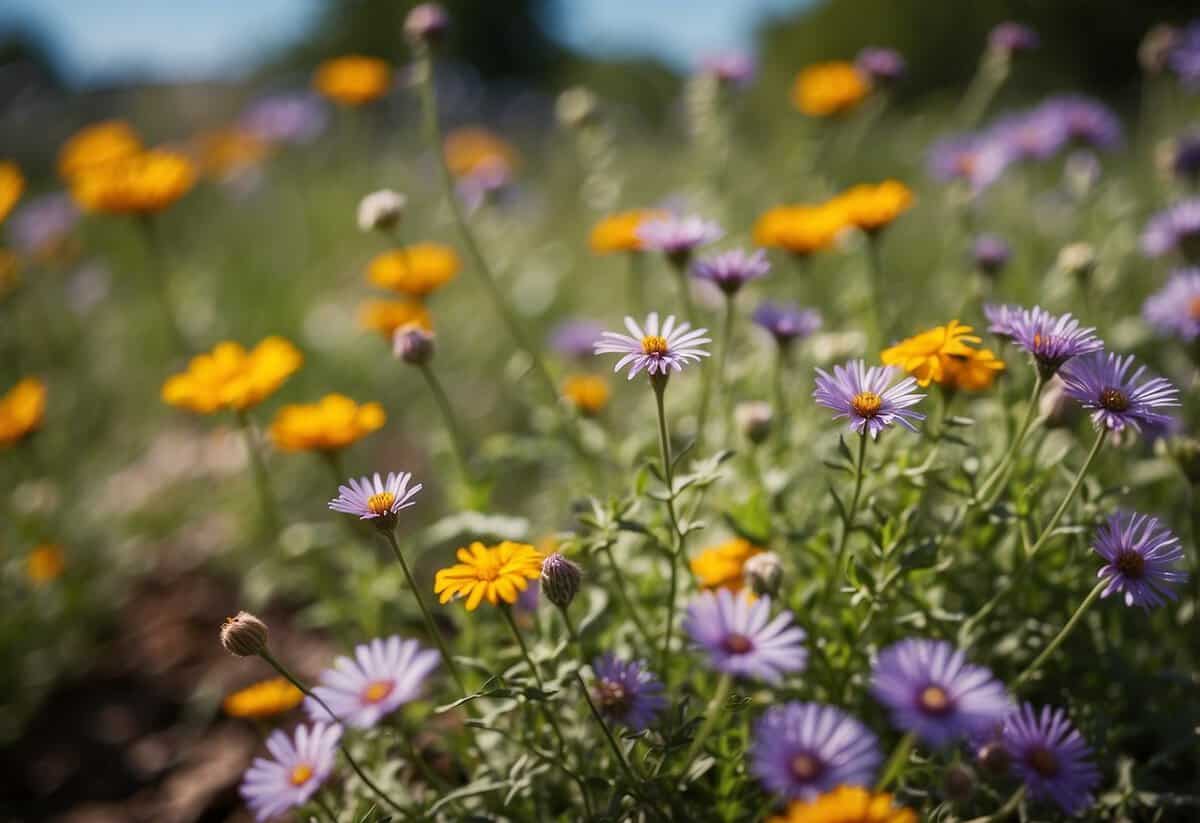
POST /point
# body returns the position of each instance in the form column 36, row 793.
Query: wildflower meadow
column 370, row 456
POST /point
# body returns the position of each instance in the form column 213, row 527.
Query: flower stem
column 506, row 610
column 718, row 374
column 874, row 281
column 154, row 250
column 262, row 480
column 664, row 446
column 839, row 555
column 623, row 593
column 457, row 438
column 897, row 762
column 710, row 719
column 1061, row 636
column 781, row 408
column 984, row 494
column 430, row 625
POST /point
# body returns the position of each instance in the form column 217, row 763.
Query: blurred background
column 112, row 681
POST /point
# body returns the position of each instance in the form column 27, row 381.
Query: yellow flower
column 721, row 566
column 976, row 371
column 22, row 410
column 96, row 146
column 333, row 423
column 10, row 271
column 873, row 207
column 471, row 149
column 800, row 229
column 223, row 153
column 385, row 316
column 44, row 564
column 497, row 573
column 846, row 804
column 586, row 392
column 229, row 377
column 140, row 184
column 266, row 698
column 927, row 356
column 416, row 270
column 618, row 232
column 12, row 184
column 353, row 80
column 831, row 88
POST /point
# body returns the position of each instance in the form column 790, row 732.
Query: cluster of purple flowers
column 1175, row 309
column 1174, row 229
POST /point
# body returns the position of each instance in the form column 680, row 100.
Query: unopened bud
column 958, row 783
column 763, row 573
column 381, row 210
column 244, row 635
column 754, row 420
column 560, row 580
column 994, row 759
column 1156, row 47
column 575, row 107
column 426, row 23
column 413, row 344
column 990, row 253
column 1078, row 259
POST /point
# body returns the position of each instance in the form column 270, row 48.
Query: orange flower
column 223, row 153
column 976, row 371
column 471, row 149
column 140, row 184
column 12, row 184
column 722, row 566
column 229, row 377
column 831, row 88
column 22, row 410
column 496, row 573
column 929, row 356
column 872, row 207
column 266, row 698
column 586, row 392
column 618, row 232
column 385, row 316
column 416, row 270
column 353, row 80
column 96, row 146
column 45, row 564
column 800, row 229
column 333, row 423
column 846, row 804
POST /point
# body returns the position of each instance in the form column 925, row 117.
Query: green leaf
column 472, row 789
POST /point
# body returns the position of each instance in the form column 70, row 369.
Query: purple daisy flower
column 1032, row 135
column 1051, row 757
column 741, row 638
column 1010, row 37
column 372, row 498
column 42, row 223
column 990, row 254
column 933, row 691
column 730, row 270
column 863, row 396
column 657, row 350
column 1175, row 308
column 972, row 159
column 627, row 692
column 1184, row 59
column 286, row 118
column 1176, row 228
column 298, row 768
column 1101, row 382
column 383, row 675
column 1051, row 340
column 1087, row 122
column 1141, row 557
column 677, row 236
column 733, row 68
column 1185, row 156
column 786, row 322
column 882, row 65
column 1002, row 319
column 801, row 750
column 576, row 338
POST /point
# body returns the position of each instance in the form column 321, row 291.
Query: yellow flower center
column 487, row 571
column 866, row 404
column 378, row 690
column 805, row 767
column 934, row 700
column 654, row 344
column 1043, row 762
column 1114, row 400
column 301, row 774
column 381, row 503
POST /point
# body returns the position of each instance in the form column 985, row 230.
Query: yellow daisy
column 12, row 184
column 927, row 356
column 417, row 270
column 96, row 146
column 22, row 410
column 846, row 804
column 139, row 184
column 976, row 371
column 497, row 573
column 385, row 316
column 333, row 423
column 266, row 698
column 353, row 80
column 872, row 207
column 722, row 566
column 229, row 377
column 45, row 564
column 586, row 392
column 470, row 149
column 800, row 229
column 830, row 88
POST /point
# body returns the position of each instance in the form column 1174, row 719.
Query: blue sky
column 214, row 39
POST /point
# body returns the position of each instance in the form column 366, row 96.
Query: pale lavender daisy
column 741, row 638
column 1101, row 382
column 881, row 64
column 1002, row 319
column 1176, row 228
column 801, row 750
column 733, row 68
column 383, row 675
column 731, row 270
column 655, row 349
column 1140, row 559
column 1051, row 757
column 786, row 322
column 1052, row 340
column 372, row 498
column 862, row 395
column 1175, row 308
column 933, row 691
column 297, row 769
column 677, row 236
column 1009, row 37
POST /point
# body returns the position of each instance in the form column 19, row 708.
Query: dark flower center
column 806, row 767
column 737, row 644
column 612, row 696
column 1114, row 400
column 1043, row 761
column 934, row 700
column 1130, row 563
column 994, row 758
column 654, row 344
column 866, row 404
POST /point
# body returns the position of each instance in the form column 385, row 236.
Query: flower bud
column 1156, row 47
column 763, row 573
column 1078, row 259
column 426, row 23
column 994, row 759
column 575, row 107
column 413, row 344
column 754, row 420
column 958, row 783
column 560, row 580
column 244, row 635
column 990, row 254
column 381, row 210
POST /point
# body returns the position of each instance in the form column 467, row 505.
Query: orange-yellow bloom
column 873, row 207
column 229, row 377
column 224, row 153
column 927, row 356
column 22, row 410
column 385, row 316
column 586, row 392
column 45, row 564
column 800, row 229
column 976, row 371
column 722, row 566
column 353, row 80
column 496, row 573
column 140, row 184
column 470, row 150
column 96, row 146
column 417, row 270
column 846, row 804
column 618, row 232
column 830, row 88
column 12, row 184
column 266, row 698
column 333, row 423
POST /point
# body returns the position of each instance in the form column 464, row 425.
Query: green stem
column 722, row 360
column 623, row 593
column 679, row 265
column 430, row 625
column 160, row 286
column 1004, row 811
column 325, row 807
column 1061, row 636
column 636, row 280
column 262, row 480
column 897, row 762
column 781, row 409
column 664, row 446
column 874, row 284
column 537, row 675
column 457, row 438
column 710, row 719
column 984, row 493
column 839, row 555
